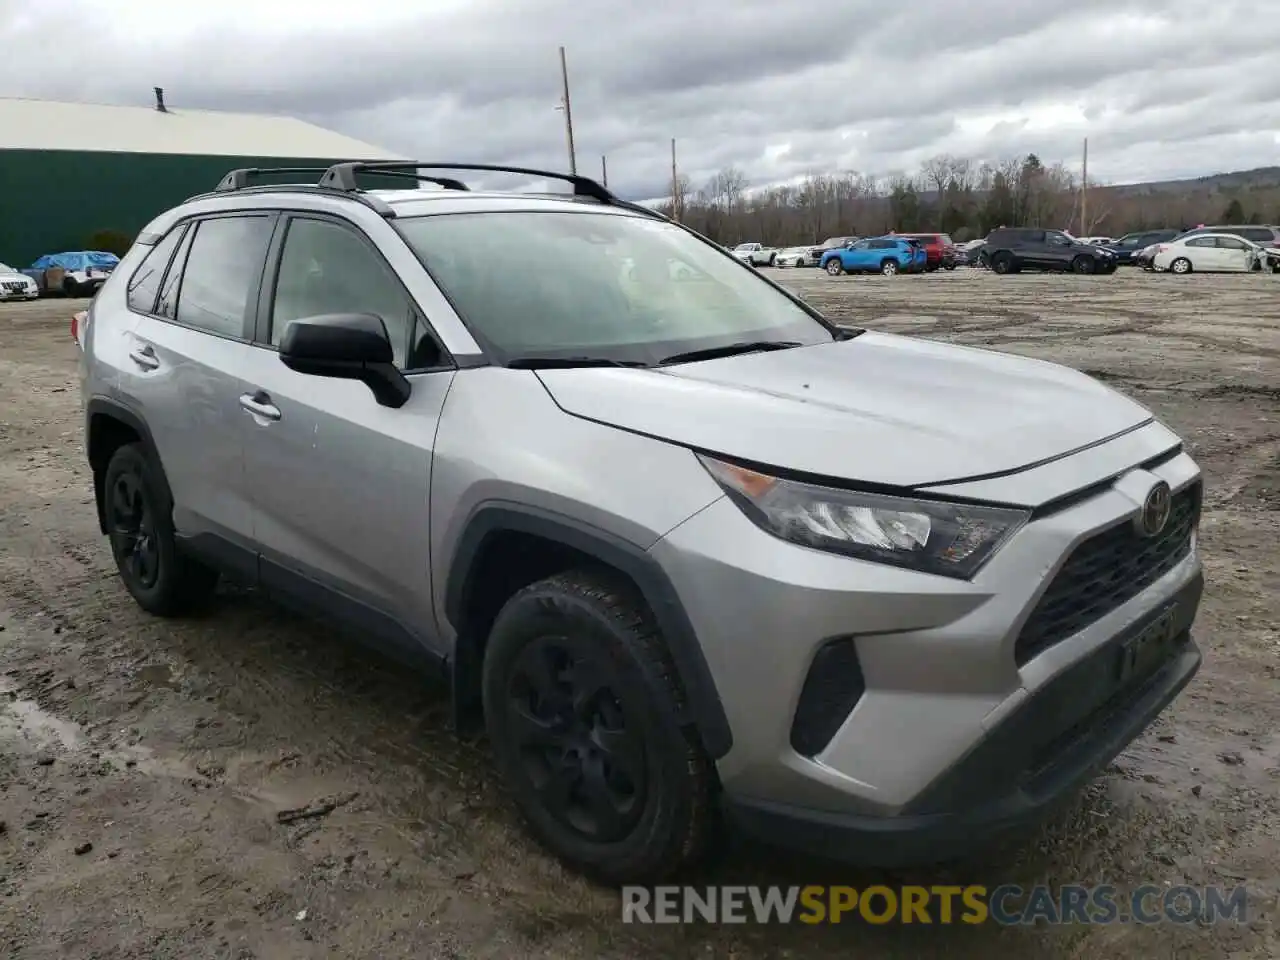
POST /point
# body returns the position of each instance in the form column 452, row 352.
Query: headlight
column 951, row 539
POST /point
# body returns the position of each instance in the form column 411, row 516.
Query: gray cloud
column 1180, row 88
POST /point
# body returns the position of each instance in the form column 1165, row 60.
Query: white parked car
column 15, row 285
column 1096, row 239
column 795, row 257
column 1207, row 253
column 756, row 254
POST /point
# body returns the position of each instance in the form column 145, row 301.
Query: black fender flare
column 703, row 706
column 114, row 410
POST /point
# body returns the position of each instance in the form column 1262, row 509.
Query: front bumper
column 1043, row 753
column 944, row 665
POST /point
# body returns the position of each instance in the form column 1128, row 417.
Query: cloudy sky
column 1162, row 89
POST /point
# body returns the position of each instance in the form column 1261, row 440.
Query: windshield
column 602, row 285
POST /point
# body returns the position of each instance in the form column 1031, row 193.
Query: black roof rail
column 342, row 176
column 378, row 206
column 239, row 179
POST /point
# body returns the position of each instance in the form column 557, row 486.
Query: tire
column 773, row 260
column 69, row 287
column 889, row 268
column 592, row 629
column 1083, row 265
column 834, row 267
column 140, row 529
column 1180, row 266
column 1002, row 263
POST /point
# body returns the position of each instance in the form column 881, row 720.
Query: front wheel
column 835, row 267
column 1002, row 263
column 1180, row 266
column 889, row 268
column 1083, row 265
column 583, row 714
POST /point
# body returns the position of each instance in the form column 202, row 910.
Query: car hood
column 879, row 409
column 7, row 275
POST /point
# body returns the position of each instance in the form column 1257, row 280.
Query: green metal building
column 74, row 174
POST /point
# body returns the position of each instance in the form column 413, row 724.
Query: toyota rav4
column 689, row 552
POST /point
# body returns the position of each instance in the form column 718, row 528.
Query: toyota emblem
column 1155, row 510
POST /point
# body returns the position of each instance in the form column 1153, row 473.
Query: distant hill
column 1259, row 178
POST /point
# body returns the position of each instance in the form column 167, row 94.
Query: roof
column 28, row 124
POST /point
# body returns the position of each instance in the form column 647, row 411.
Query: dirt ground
column 145, row 765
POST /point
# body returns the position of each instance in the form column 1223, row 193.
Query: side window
column 222, row 269
column 1201, row 242
column 145, row 282
column 328, row 268
column 167, row 305
column 1256, row 235
column 1232, row 243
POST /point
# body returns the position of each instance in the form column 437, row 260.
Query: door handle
column 260, row 405
column 145, row 356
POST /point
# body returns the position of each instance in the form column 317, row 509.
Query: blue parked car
column 886, row 255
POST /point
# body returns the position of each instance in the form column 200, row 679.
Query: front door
column 341, row 485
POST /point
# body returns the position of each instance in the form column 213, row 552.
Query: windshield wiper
column 533, row 362
column 730, row 350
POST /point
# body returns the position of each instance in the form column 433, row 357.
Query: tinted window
column 145, row 282
column 329, row 268
column 1201, row 242
column 862, row 245
column 167, row 306
column 222, row 270
column 1256, row 234
column 604, row 285
column 1232, row 243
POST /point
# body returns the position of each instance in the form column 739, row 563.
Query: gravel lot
column 144, row 764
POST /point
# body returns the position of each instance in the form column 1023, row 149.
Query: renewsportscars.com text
column 1006, row 905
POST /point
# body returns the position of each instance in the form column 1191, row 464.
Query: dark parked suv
column 1010, row 249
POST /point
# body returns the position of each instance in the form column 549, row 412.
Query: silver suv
column 691, row 553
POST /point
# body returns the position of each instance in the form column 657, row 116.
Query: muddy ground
column 144, row 765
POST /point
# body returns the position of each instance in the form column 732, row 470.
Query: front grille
column 831, row 689
column 14, row 286
column 1105, row 572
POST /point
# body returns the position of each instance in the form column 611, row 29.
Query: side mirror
column 348, row 346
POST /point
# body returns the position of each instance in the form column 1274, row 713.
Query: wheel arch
column 491, row 525
column 110, row 425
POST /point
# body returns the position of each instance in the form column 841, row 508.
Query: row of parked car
column 889, row 255
column 1226, row 248
column 74, row 274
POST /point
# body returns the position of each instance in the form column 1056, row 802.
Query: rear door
column 186, row 351
column 1203, row 253
column 340, row 484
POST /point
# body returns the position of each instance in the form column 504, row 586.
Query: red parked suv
column 941, row 251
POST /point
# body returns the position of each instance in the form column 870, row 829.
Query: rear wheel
column 835, row 267
column 1180, row 266
column 1002, row 263
column 889, row 268
column 582, row 710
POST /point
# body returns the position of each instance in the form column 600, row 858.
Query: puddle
column 157, row 675
column 25, row 722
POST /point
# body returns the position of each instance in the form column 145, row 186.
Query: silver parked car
column 687, row 549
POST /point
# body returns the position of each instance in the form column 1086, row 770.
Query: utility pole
column 1084, row 190
column 568, row 112
column 675, row 185
column 604, row 170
